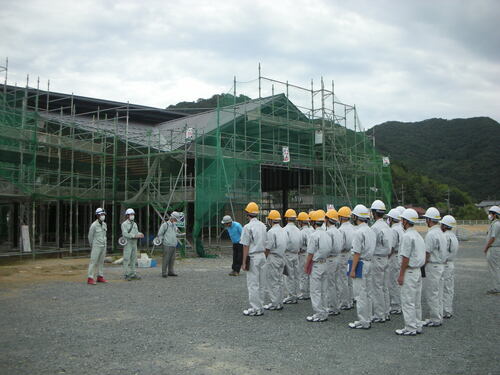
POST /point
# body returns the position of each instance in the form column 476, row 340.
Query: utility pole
column 402, row 195
column 448, row 200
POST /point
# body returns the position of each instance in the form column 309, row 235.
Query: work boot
column 172, row 274
column 234, row 273
column 91, row 281
column 101, row 279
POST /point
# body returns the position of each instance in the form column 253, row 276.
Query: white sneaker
column 252, row 312
column 405, row 332
column 358, row 325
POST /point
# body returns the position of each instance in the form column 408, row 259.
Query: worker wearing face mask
column 97, row 240
column 131, row 232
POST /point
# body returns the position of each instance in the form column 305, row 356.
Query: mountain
column 202, row 104
column 462, row 152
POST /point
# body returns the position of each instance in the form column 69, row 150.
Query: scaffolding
column 289, row 147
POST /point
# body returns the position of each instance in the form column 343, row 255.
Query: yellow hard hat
column 332, row 214
column 290, row 213
column 274, row 215
column 303, row 216
column 318, row 215
column 252, row 208
column 323, row 213
column 345, row 212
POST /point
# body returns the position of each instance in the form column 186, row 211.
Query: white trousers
column 493, row 259
column 303, row 277
column 319, row 286
column 97, row 256
column 344, row 283
column 379, row 289
column 394, row 288
column 411, row 294
column 362, row 287
column 292, row 280
column 333, row 290
column 274, row 271
column 433, row 291
column 448, row 287
column 256, row 280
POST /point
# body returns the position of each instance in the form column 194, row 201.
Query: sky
column 402, row 60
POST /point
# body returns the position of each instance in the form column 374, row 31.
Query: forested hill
column 462, row 152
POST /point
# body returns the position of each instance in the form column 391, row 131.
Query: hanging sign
column 330, row 207
column 189, row 133
column 286, row 155
column 385, row 161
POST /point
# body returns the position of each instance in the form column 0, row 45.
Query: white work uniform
column 344, row 281
column 168, row 232
column 395, row 267
column 97, row 241
column 363, row 244
column 380, row 264
column 305, row 232
column 275, row 262
column 130, row 232
column 449, row 272
column 493, row 254
column 254, row 236
column 319, row 244
column 294, row 238
column 333, row 265
column 412, row 247
column 435, row 244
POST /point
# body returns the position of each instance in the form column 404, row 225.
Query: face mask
column 388, row 221
column 490, row 217
column 102, row 217
column 131, row 217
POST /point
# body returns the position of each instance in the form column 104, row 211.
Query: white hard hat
column 130, row 211
column 400, row 209
column 378, row 205
column 361, row 211
column 433, row 214
column 495, row 209
column 449, row 221
column 410, row 214
column 394, row 214
column 226, row 219
column 100, row 211
column 175, row 215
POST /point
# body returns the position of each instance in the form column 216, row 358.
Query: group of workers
column 337, row 260
column 168, row 234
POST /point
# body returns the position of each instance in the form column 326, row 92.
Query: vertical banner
column 190, row 134
column 286, row 155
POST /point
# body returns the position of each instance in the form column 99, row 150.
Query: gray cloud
column 396, row 60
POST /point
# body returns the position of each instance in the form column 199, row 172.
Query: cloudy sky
column 404, row 60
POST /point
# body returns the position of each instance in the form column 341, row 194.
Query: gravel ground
column 193, row 324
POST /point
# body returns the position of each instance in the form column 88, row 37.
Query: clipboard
column 359, row 268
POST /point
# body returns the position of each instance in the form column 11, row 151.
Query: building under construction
column 62, row 156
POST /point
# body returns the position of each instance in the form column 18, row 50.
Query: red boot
column 101, row 279
column 91, row 281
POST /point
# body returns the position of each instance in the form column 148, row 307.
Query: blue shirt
column 235, row 231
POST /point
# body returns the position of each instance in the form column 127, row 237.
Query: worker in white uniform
column 363, row 246
column 395, row 261
column 97, row 241
column 492, row 249
column 253, row 240
column 344, row 281
column 435, row 243
column 380, row 263
column 131, row 232
column 294, row 238
column 276, row 241
column 412, row 253
column 448, row 222
column 169, row 233
column 305, row 231
column 333, row 261
column 318, row 248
